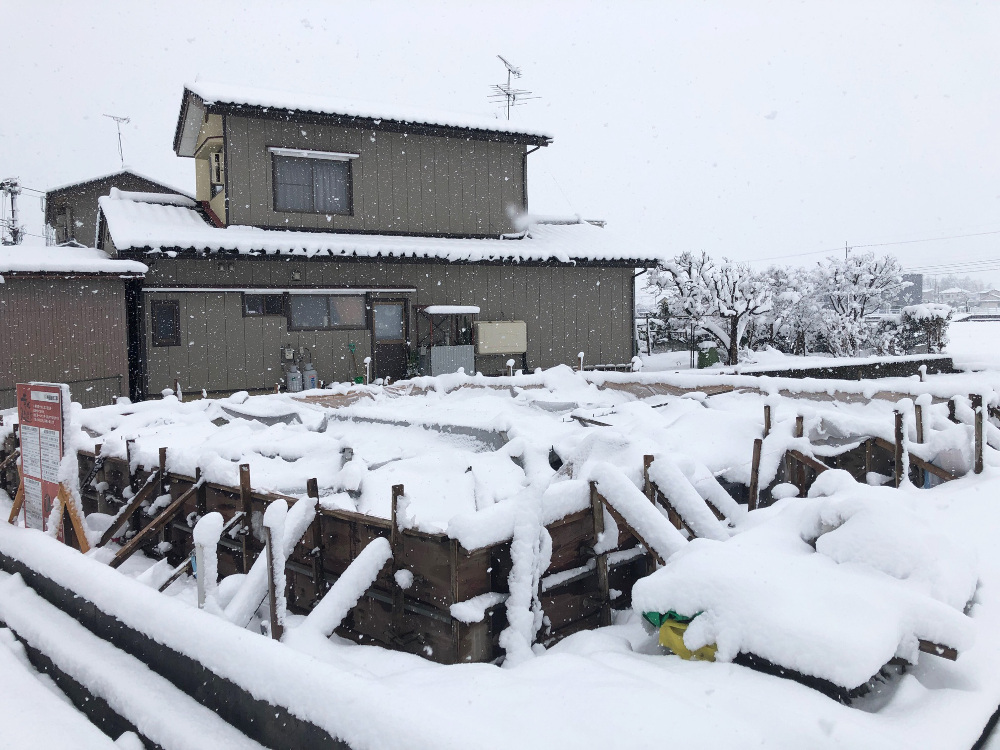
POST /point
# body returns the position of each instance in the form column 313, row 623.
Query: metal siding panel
column 442, row 189
column 196, row 341
column 215, row 342
column 236, row 377
column 253, row 334
column 366, row 181
column 383, row 161
column 457, row 222
column 274, row 334
column 350, row 140
column 237, row 170
column 415, row 185
column 481, row 167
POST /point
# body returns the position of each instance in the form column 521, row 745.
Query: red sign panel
column 40, row 414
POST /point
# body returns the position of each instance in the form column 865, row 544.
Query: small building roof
column 112, row 176
column 203, row 96
column 146, row 227
column 38, row 258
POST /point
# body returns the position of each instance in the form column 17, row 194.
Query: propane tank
column 310, row 379
column 293, row 379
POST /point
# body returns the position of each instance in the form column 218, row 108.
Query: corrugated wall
column 566, row 309
column 401, row 183
column 67, row 331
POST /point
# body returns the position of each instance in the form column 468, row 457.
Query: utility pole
column 118, row 123
column 11, row 187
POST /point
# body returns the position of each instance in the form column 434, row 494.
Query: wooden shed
column 63, row 319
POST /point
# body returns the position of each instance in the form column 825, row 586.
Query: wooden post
column 312, row 489
column 898, row 452
column 603, row 590
column 798, row 469
column 163, row 469
column 647, row 486
column 129, row 448
column 799, row 426
column 918, row 416
column 869, row 446
column 951, row 410
column 649, row 338
column 15, row 509
column 201, row 498
column 977, row 405
column 754, row 475
column 246, row 505
column 272, row 594
column 396, row 544
column 767, row 420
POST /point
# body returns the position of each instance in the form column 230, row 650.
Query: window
column 255, row 305
column 320, row 311
column 166, row 322
column 317, row 186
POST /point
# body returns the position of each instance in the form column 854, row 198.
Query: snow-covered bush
column 928, row 321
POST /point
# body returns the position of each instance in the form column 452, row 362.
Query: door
column 389, row 338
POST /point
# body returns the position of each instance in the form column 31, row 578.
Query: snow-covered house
column 988, row 301
column 71, row 210
column 64, row 320
column 342, row 231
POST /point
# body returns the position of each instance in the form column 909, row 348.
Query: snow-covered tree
column 794, row 323
column 851, row 290
column 722, row 300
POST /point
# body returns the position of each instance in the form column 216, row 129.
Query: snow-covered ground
column 975, row 344
column 901, row 563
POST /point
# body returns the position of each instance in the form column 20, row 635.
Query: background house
column 327, row 230
column 71, row 210
column 64, row 320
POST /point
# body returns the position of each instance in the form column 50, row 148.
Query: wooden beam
column 918, row 418
column 585, row 421
column 625, row 524
column 942, row 474
column 977, row 405
column 767, row 420
column 186, row 565
column 316, row 551
column 812, row 463
column 272, row 593
column 603, row 589
column 152, row 527
column 121, row 519
column 10, row 458
column 945, row 652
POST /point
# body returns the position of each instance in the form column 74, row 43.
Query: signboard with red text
column 40, row 414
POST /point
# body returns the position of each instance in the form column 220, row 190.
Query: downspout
column 525, row 173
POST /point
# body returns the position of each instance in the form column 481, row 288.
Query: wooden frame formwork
column 417, row 620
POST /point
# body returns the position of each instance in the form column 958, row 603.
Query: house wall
column 566, row 310
column 82, row 200
column 402, row 183
column 67, row 331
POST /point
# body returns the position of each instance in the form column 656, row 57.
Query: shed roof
column 37, row 258
column 206, row 96
column 142, row 226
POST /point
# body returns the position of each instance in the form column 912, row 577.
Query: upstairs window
column 312, row 182
column 318, row 312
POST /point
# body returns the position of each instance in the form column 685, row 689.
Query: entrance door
column 389, row 338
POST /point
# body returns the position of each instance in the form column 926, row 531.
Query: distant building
column 71, row 210
column 988, row 301
column 64, row 320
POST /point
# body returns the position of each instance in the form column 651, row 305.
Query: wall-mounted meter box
column 501, row 337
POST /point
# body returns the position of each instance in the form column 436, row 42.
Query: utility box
column 501, row 337
column 447, row 359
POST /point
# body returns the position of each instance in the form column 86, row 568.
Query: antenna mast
column 506, row 92
column 14, row 231
column 118, row 123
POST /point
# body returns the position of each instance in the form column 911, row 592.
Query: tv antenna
column 506, row 91
column 14, row 235
column 118, row 123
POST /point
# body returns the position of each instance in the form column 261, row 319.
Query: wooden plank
column 945, row 652
column 70, row 509
column 272, row 595
column 804, row 460
column 152, row 527
column 897, row 450
column 152, row 485
column 16, row 507
column 246, row 505
column 396, row 544
column 977, row 405
column 942, row 474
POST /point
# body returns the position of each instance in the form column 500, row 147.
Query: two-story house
column 336, row 231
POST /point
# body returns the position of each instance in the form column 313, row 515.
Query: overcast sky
column 750, row 130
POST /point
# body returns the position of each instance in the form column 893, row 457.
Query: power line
column 881, row 244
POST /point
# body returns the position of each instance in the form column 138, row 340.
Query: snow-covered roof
column 956, row 290
column 119, row 173
column 140, row 225
column 452, row 310
column 209, row 94
column 45, row 259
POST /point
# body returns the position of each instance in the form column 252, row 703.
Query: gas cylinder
column 293, row 379
column 310, row 379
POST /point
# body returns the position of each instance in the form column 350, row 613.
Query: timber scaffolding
column 582, row 584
